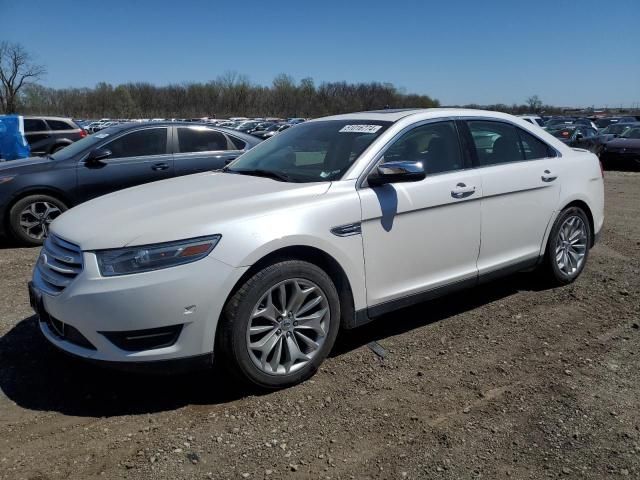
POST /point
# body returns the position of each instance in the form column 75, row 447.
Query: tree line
column 228, row 95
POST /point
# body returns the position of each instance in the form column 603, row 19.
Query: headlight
column 6, row 179
column 124, row 261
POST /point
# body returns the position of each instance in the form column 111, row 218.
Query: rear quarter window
column 34, row 125
column 60, row 125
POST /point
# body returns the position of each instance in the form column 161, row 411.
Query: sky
column 568, row 52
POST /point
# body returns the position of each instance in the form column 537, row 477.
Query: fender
column 580, row 197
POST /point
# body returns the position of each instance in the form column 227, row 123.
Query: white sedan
column 329, row 224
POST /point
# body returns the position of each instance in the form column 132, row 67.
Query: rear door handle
column 547, row 176
column 461, row 191
column 160, row 166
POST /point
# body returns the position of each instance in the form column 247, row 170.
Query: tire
column 279, row 369
column 38, row 211
column 567, row 250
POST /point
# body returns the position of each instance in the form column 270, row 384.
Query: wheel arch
column 62, row 142
column 40, row 190
column 581, row 204
column 318, row 257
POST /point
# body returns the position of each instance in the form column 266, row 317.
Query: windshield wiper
column 259, row 172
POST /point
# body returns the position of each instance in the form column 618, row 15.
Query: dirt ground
column 510, row 380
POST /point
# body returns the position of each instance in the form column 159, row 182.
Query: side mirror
column 99, row 154
column 579, row 136
column 396, row 172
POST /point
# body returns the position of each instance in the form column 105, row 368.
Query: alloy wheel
column 571, row 245
column 288, row 326
column 36, row 217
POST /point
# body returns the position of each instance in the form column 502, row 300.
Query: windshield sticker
column 102, row 135
column 360, row 128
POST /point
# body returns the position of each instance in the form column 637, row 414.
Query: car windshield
column 317, row 151
column 631, row 133
column 83, row 144
column 615, row 128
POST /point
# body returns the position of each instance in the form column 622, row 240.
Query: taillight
column 83, row 133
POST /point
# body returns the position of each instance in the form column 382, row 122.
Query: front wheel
column 568, row 246
column 30, row 217
column 280, row 325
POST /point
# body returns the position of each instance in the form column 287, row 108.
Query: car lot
column 505, row 380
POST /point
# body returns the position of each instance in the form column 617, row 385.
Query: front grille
column 59, row 263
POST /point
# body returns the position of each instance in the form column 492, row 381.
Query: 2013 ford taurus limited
column 326, row 225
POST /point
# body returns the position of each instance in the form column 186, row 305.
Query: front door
column 136, row 157
column 422, row 237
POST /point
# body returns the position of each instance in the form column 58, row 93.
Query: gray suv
column 47, row 135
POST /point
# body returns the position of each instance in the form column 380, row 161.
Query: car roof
column 46, row 117
column 392, row 115
column 235, row 133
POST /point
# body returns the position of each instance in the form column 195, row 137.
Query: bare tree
column 16, row 70
column 535, row 104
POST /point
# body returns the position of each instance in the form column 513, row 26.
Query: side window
column 200, row 139
column 495, row 142
column 59, row 125
column 434, row 144
column 533, row 147
column 151, row 141
column 34, row 125
column 237, row 143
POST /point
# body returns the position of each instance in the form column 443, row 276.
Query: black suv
column 47, row 135
column 34, row 191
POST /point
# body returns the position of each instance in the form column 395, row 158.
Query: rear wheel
column 30, row 217
column 280, row 325
column 568, row 246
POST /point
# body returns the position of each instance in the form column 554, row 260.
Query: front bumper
column 190, row 295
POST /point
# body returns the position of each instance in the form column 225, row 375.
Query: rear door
column 137, row 157
column 38, row 135
column 199, row 149
column 521, row 178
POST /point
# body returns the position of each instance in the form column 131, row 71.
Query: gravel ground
column 510, row 380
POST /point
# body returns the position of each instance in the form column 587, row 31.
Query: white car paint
column 415, row 236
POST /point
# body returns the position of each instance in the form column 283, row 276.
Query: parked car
column 606, row 121
column 47, row 135
column 609, row 133
column 271, row 131
column 329, row 224
column 578, row 136
column 34, row 191
column 536, row 120
column 585, row 121
column 622, row 152
column 247, row 126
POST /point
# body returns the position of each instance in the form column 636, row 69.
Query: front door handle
column 461, row 191
column 160, row 166
column 547, row 176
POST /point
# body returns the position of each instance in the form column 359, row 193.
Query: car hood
column 179, row 208
column 9, row 165
column 619, row 143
